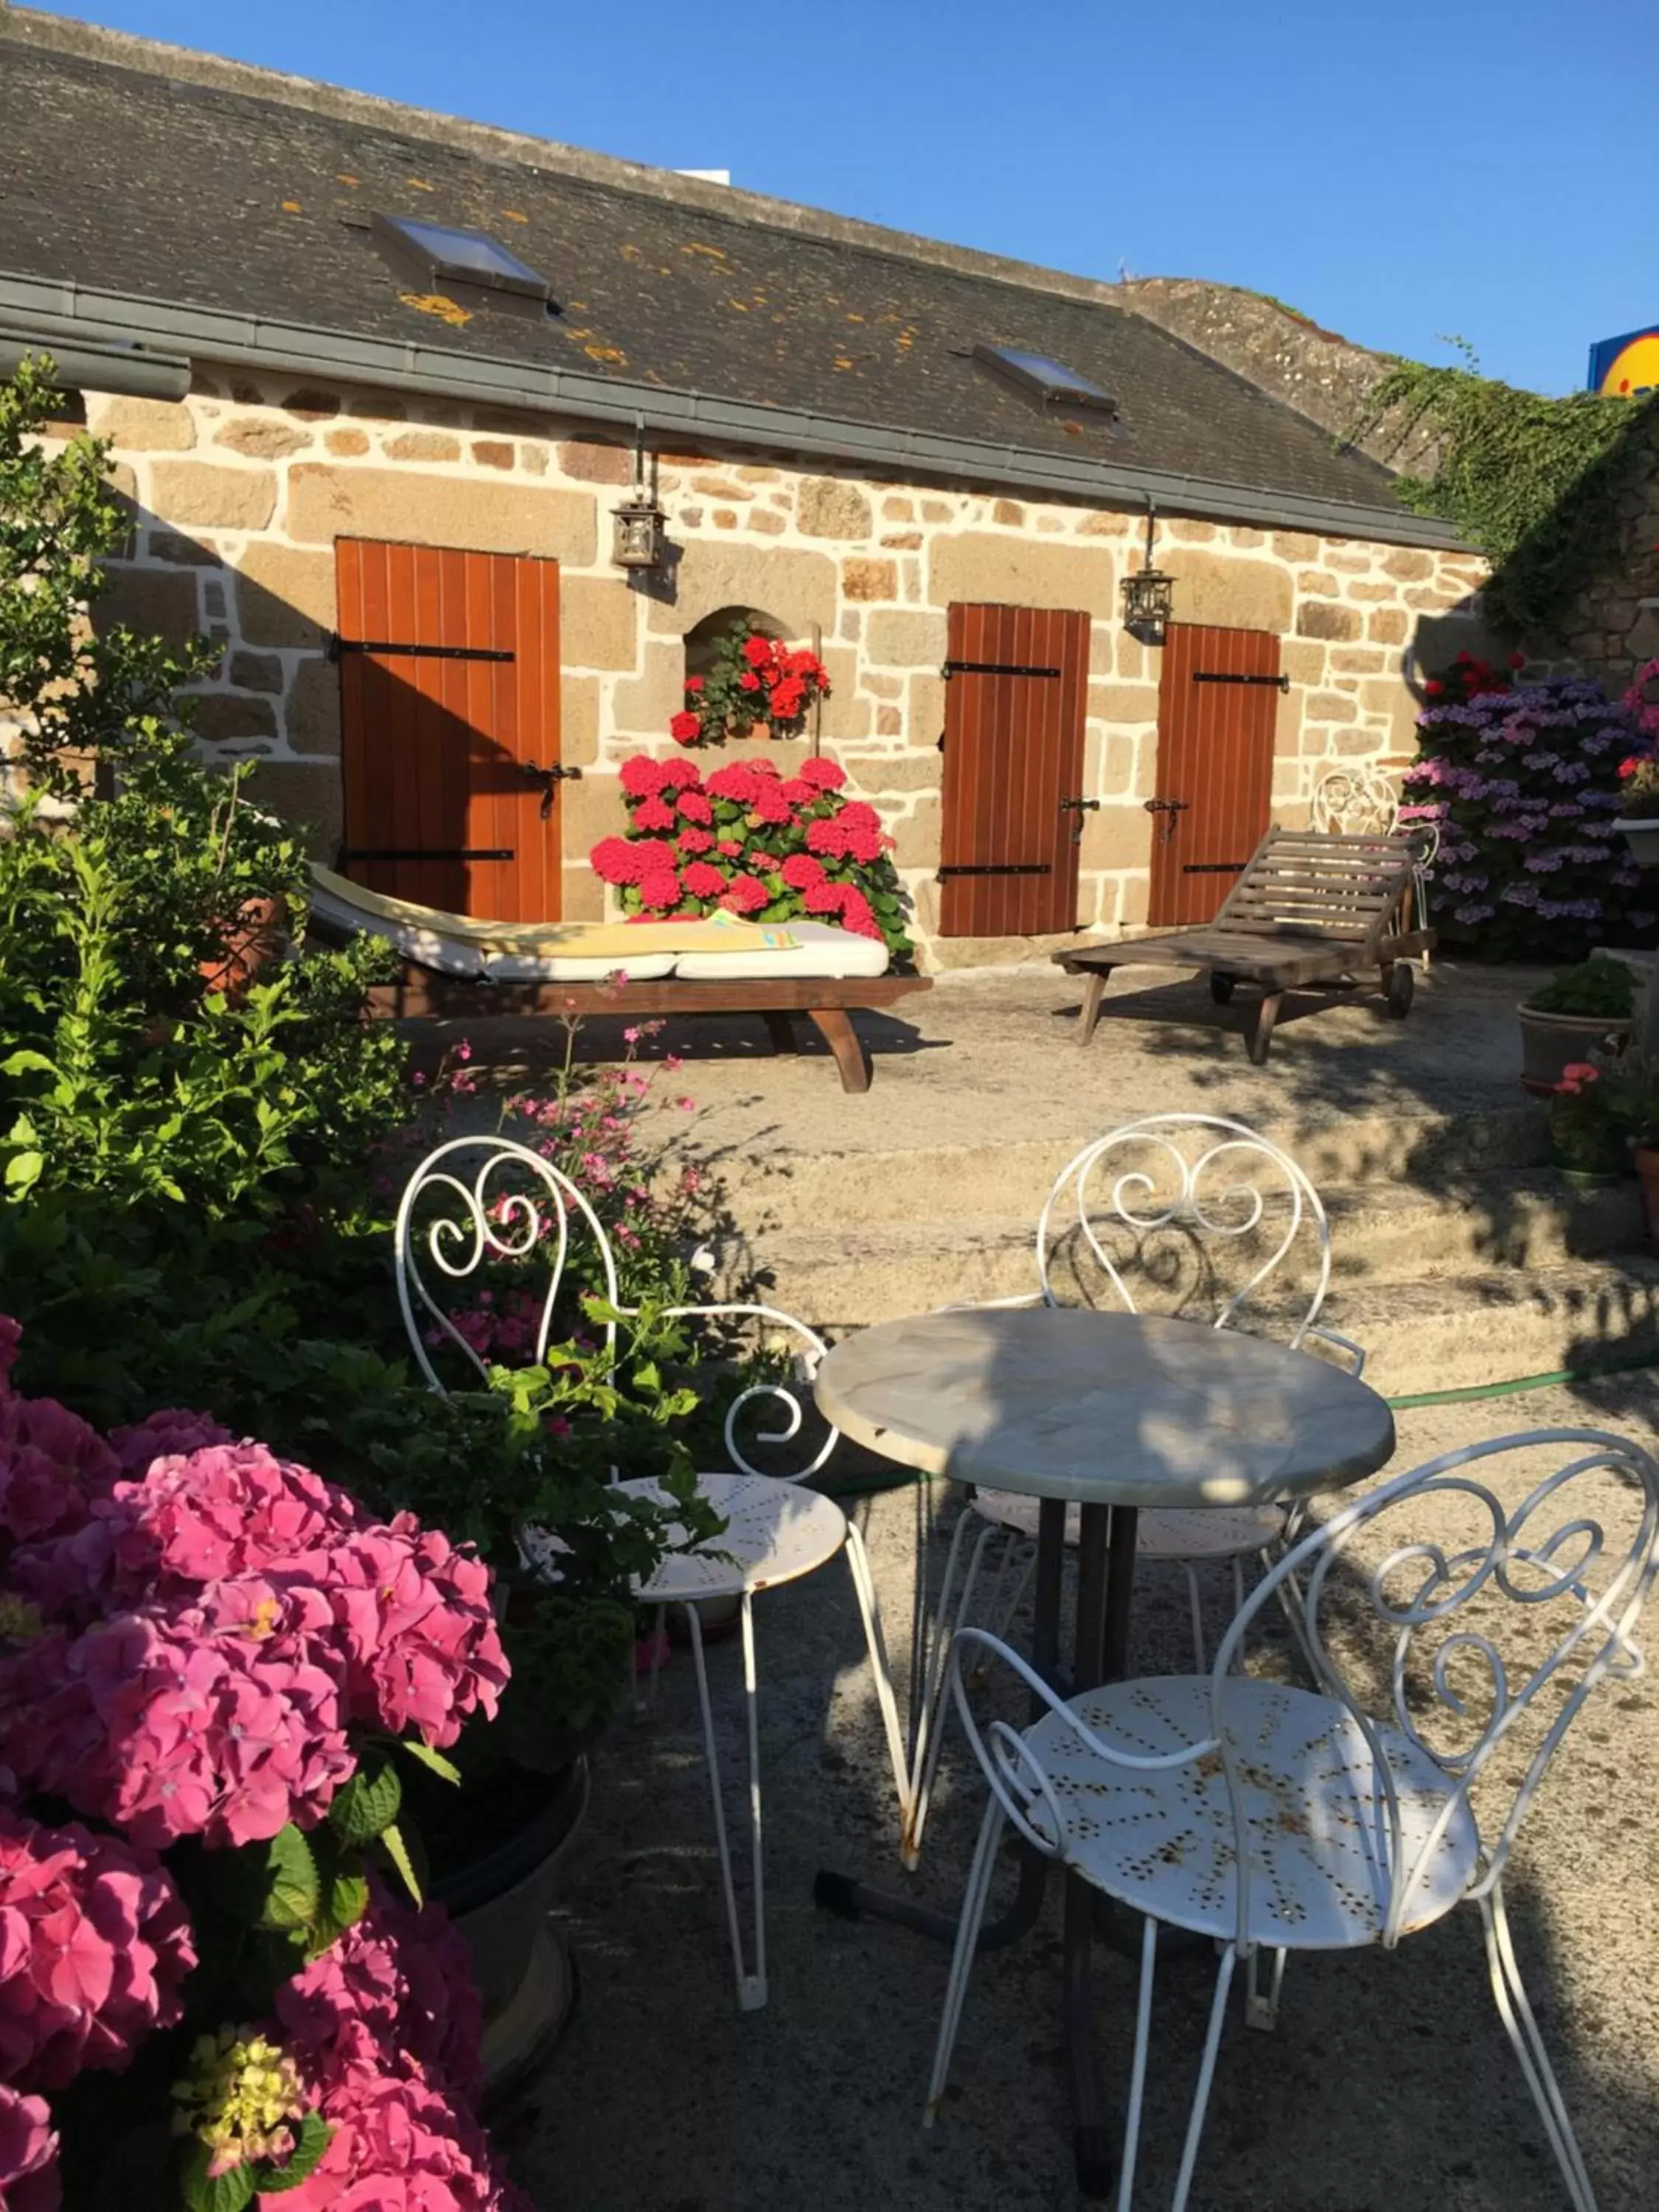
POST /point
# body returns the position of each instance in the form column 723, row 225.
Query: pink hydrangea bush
column 750, row 841
column 197, row 1641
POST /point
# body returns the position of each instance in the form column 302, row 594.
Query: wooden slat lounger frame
column 826, row 1003
column 1309, row 910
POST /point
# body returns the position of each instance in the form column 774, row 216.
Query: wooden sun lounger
column 825, row 1002
column 1310, row 909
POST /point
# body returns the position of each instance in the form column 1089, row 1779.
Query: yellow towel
column 585, row 940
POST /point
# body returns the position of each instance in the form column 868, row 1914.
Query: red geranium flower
column 1517, row 660
column 758, row 651
column 1434, row 687
column 749, row 681
column 695, row 683
column 685, row 728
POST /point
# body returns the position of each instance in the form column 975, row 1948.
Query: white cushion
column 820, row 949
column 571, row 967
column 448, row 955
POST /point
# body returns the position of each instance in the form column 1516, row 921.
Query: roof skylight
column 442, row 255
column 1044, row 379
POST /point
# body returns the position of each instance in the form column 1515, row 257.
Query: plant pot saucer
column 1589, row 1178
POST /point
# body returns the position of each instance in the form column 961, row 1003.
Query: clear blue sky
column 1397, row 171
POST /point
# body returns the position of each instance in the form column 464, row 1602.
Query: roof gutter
column 84, row 360
column 69, row 315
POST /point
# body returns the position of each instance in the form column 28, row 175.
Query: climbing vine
column 1534, row 482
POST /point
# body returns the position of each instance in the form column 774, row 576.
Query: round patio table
column 1113, row 1412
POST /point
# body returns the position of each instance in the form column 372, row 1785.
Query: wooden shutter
column 1217, row 710
column 1015, row 693
column 439, row 805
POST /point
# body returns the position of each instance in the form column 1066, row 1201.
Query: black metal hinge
column 1213, row 676
column 1214, row 868
column 1000, row 868
column 428, row 853
column 337, row 645
column 992, row 668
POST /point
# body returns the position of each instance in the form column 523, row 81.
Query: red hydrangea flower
column 769, row 805
column 696, row 840
column 731, row 847
column 685, row 728
column 735, row 781
column 746, row 894
column 702, row 880
column 401, row 2146
column 28, row 2154
column 827, row 837
column 679, row 774
column 823, row 775
column 94, row 1944
column 615, row 860
column 695, row 806
column 51, row 1464
column 824, row 897
column 660, row 890
column 653, row 814
column 640, row 775
column 801, row 872
column 394, row 1994
column 798, row 793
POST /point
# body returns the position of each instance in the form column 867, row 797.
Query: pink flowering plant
column 215, row 1668
column 750, row 841
column 1524, row 786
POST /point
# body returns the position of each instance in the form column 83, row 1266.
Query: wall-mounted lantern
column 639, row 526
column 1148, row 594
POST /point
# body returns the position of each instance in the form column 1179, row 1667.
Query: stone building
column 294, row 382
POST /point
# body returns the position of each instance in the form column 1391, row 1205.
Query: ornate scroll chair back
column 1452, row 1660
column 478, row 1204
column 1354, row 802
column 1191, row 1214
column 776, row 1341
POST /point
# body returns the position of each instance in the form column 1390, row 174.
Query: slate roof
column 257, row 201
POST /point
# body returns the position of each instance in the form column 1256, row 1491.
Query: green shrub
column 1600, row 990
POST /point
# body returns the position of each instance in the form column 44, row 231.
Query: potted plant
column 1586, row 1135
column 1632, row 1084
column 1638, row 807
column 1566, row 1019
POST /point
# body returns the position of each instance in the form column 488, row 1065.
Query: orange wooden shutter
column 1218, row 709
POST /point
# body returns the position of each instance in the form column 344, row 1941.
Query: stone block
column 925, row 721
column 1119, row 836
column 916, row 834
column 768, row 524
column 1108, row 525
column 599, row 623
column 349, row 443
column 311, row 403
column 285, row 596
column 1411, row 568
column 873, row 776
column 906, row 640
column 1387, row 625
column 862, row 579
column 233, row 717
column 1117, row 767
column 141, row 426
column 181, row 552
column 1302, row 661
column 1021, row 572
column 1102, row 656
column 642, row 705
column 256, row 671
column 1372, row 595
column 308, row 796
column 411, row 507
column 579, row 721
column 1293, row 545
column 1134, row 899
column 1316, row 618
column 155, row 602
column 591, row 810
column 581, row 895
column 1318, row 583
column 596, row 460
column 1233, row 593
column 1131, row 703
column 197, row 494
column 1332, row 706
column 264, row 438
column 313, row 709
column 1358, row 660
column 797, row 589
column 493, row 452
column 422, row 446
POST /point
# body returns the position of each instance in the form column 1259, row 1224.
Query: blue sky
column 1476, row 167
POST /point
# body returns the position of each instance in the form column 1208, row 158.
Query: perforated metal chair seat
column 1163, row 1842
column 1219, row 1533
column 775, row 1532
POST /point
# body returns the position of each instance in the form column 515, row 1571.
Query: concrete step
column 1450, row 1332
column 1381, row 1234
column 772, row 1190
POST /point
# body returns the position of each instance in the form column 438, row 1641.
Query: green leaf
column 368, row 1803
column 24, row 1170
column 294, row 1890
column 397, row 1851
column 314, row 2139
column 344, row 1901
column 219, row 2192
column 427, row 1757
column 27, row 1063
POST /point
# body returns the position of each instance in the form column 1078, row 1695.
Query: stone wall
column 239, row 491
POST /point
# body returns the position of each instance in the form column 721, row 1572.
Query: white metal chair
column 1180, row 1187
column 1274, row 1819
column 476, row 1201
column 1356, row 798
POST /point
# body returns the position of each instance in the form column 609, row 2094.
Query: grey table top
column 1104, row 1408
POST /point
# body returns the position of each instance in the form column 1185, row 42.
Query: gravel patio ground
column 1388, row 2087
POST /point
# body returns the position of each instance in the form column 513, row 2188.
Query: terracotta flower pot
column 1551, row 1042
column 1647, row 1167
column 251, row 942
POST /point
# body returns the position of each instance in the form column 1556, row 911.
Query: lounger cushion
column 432, row 948
column 573, row 968
column 820, row 950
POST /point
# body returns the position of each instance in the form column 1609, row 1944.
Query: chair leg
column 930, row 1728
column 1138, row 2071
column 751, row 1987
column 1094, row 988
column 1258, row 2011
column 961, row 1959
column 1224, row 1982
column 857, row 1561
column 1002, row 1623
column 1517, row 2014
column 1238, row 1607
column 1262, row 1034
column 1195, row 1604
